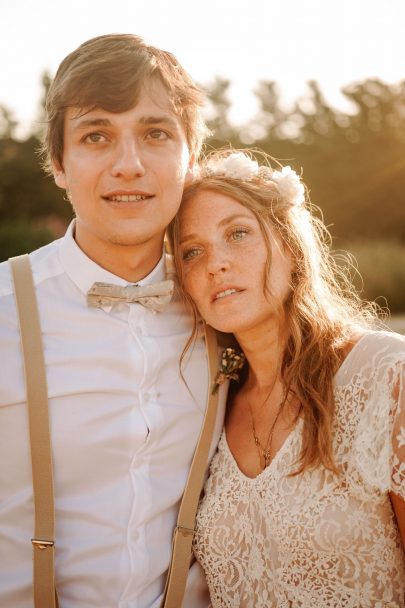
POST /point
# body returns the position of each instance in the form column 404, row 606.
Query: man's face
column 124, row 173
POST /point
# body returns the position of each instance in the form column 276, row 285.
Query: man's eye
column 158, row 134
column 94, row 138
column 189, row 254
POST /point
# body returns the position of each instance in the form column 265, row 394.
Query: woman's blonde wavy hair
column 323, row 311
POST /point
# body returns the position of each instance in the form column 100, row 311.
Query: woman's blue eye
column 239, row 234
column 190, row 254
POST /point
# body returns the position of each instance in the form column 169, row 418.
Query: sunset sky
column 291, row 42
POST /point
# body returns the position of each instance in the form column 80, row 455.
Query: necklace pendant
column 267, row 459
column 263, row 460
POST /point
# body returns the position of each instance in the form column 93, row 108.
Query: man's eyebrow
column 83, row 123
column 156, row 120
column 227, row 220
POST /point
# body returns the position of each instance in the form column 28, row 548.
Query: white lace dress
column 316, row 540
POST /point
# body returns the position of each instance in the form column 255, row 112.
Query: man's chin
column 134, row 240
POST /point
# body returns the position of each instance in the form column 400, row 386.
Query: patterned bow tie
column 156, row 296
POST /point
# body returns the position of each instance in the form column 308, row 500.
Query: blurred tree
column 22, row 237
column 217, row 112
column 380, row 108
column 353, row 164
column 318, row 121
column 38, row 127
column 27, row 196
column 8, row 123
column 271, row 117
column 25, row 191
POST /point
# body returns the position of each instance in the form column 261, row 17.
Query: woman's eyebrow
column 224, row 222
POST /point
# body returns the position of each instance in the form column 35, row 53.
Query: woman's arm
column 398, row 505
column 397, row 496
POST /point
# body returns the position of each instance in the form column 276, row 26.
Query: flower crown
column 239, row 165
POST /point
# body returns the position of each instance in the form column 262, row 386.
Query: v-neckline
column 293, row 432
column 267, row 470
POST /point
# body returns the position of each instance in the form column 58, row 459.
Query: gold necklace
column 265, row 451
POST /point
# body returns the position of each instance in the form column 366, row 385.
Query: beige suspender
column 41, row 456
column 37, row 400
column 184, row 531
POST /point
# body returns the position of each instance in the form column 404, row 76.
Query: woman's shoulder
column 371, row 351
column 370, row 406
column 381, row 340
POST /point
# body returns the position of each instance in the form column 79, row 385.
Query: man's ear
column 190, row 175
column 59, row 175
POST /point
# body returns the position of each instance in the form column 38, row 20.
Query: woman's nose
column 217, row 262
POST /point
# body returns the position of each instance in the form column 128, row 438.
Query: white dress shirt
column 124, row 426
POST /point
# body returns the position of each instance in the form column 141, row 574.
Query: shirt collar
column 84, row 272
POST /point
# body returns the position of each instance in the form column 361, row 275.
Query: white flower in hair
column 240, row 166
column 289, row 185
column 215, row 167
column 237, row 166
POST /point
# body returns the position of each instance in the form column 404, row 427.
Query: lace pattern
column 317, row 539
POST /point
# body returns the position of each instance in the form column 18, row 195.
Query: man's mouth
column 127, row 198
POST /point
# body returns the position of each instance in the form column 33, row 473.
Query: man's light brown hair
column 109, row 72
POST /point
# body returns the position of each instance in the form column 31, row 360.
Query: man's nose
column 128, row 161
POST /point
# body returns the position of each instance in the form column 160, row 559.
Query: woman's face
column 223, row 256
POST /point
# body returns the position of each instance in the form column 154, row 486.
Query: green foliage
column 353, row 164
column 7, row 122
column 21, row 237
column 25, row 191
column 217, row 111
column 381, row 272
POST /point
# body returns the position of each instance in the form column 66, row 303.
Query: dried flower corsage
column 231, row 361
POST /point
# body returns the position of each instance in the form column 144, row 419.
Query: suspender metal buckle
column 185, row 531
column 42, row 544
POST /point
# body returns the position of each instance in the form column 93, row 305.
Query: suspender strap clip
column 184, row 531
column 42, row 544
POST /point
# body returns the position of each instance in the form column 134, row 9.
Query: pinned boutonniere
column 231, row 361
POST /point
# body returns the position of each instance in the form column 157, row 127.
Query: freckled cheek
column 194, row 286
column 188, row 282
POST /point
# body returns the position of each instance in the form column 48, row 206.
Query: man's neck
column 129, row 262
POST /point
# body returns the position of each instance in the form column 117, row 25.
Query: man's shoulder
column 44, row 262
